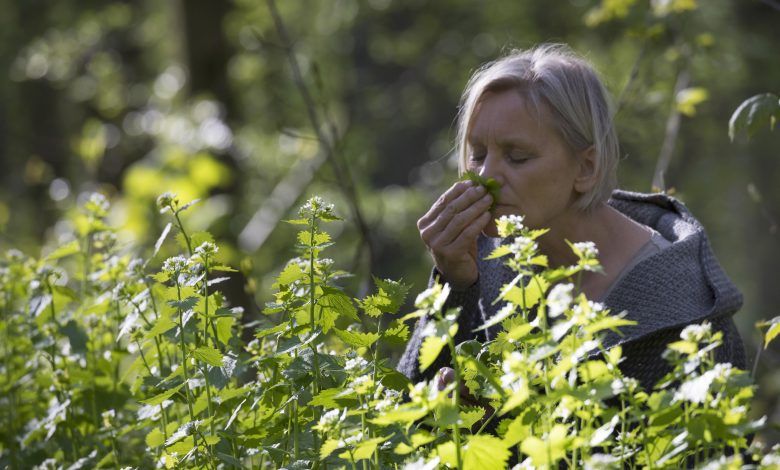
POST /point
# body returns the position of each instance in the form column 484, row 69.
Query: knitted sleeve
column 468, row 301
column 643, row 358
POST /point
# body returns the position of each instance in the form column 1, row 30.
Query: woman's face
column 536, row 169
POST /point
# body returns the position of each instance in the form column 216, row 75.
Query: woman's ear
column 586, row 178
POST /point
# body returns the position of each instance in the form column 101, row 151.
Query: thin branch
column 772, row 3
column 345, row 181
column 672, row 130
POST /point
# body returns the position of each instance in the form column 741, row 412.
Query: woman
column 539, row 123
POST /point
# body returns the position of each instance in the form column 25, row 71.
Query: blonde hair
column 580, row 110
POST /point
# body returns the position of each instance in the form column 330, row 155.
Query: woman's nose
column 491, row 168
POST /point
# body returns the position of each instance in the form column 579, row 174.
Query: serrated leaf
column 208, row 355
column 364, row 450
column 359, row 340
column 339, row 302
column 67, row 249
column 334, row 398
column 492, row 186
column 291, row 273
column 157, row 399
column 397, row 334
column 483, row 451
column 471, row 416
column 155, row 438
column 429, row 351
column 161, row 326
column 328, row 447
column 500, row 251
column 403, row 414
column 273, row 330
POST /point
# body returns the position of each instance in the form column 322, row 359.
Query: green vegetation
column 110, row 363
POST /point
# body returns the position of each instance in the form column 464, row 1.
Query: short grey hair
column 579, row 105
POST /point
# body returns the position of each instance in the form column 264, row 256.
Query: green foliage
column 492, row 186
column 107, row 363
column 755, row 113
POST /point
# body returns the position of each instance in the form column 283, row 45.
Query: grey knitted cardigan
column 681, row 285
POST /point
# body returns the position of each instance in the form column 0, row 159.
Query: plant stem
column 456, row 401
column 184, row 354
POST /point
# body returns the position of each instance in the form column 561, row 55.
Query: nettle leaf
column 364, row 450
column 162, row 325
column 471, row 416
column 208, row 355
column 331, row 398
column 291, row 273
column 772, row 332
column 404, row 414
column 430, row 350
column 754, row 113
column 492, row 186
column 319, row 240
column 224, row 327
column 484, row 451
column 157, row 399
column 155, row 438
column 359, row 340
column 389, row 298
column 62, row 251
column 328, row 447
column 339, row 302
column 397, row 333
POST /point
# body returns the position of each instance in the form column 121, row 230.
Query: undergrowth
column 114, row 360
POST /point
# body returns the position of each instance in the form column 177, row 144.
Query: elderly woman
column 539, row 123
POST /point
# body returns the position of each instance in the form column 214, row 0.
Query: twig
column 672, row 130
column 345, row 181
column 772, row 3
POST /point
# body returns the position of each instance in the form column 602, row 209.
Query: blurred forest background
column 254, row 106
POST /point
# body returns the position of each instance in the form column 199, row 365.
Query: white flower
column 559, row 300
column 587, row 249
column 509, row 224
column 175, row 264
column 696, row 332
column 356, row 363
column 433, row 298
column 206, row 250
column 330, row 418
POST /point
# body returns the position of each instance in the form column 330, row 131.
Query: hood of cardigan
column 680, row 285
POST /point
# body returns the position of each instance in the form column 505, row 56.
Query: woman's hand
column 450, row 229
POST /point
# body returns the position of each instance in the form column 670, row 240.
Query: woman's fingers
column 444, row 201
column 444, row 224
column 464, row 226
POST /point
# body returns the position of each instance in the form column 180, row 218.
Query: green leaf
column 500, row 251
column 161, row 325
column 339, row 302
column 484, row 451
column 334, row 398
column 470, row 417
column 273, row 330
column 155, row 438
column 774, row 330
column 548, row 452
column 429, row 351
column 388, row 299
column 492, row 186
column 328, row 447
column 67, row 249
column 157, row 399
column 755, row 112
column 208, row 355
column 398, row 333
column 224, row 327
column 359, row 340
column 404, row 414
column 291, row 273
column 364, row 450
